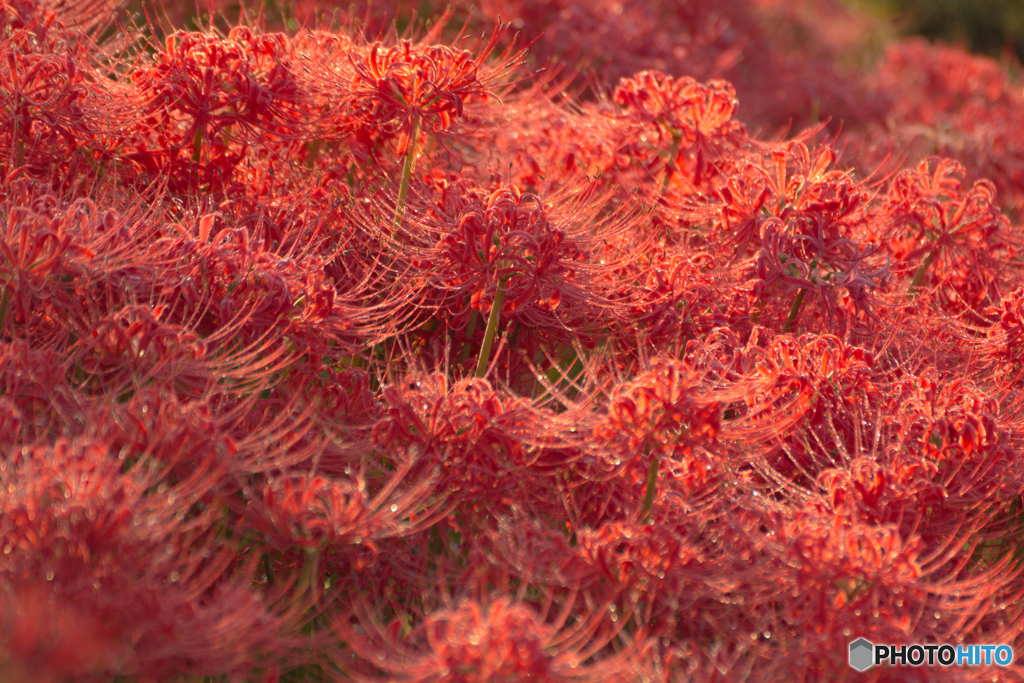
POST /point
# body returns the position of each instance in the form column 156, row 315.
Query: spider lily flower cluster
column 328, row 353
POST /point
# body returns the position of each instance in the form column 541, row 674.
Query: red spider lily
column 805, row 225
column 694, row 120
column 408, row 87
column 222, row 268
column 837, row 394
column 898, row 493
column 60, row 99
column 652, row 558
column 811, row 190
column 842, row 566
column 491, row 640
column 680, row 106
column 313, row 512
column 862, row 579
column 226, row 280
column 35, row 250
column 766, row 392
column 670, row 299
column 1003, row 341
column 954, row 434
column 233, row 431
column 36, row 397
column 480, row 437
column 928, row 218
column 135, row 332
column 204, row 101
column 947, row 102
column 474, row 238
column 109, row 541
column 46, row 93
column 237, row 89
column 664, row 412
column 551, row 147
column 473, row 248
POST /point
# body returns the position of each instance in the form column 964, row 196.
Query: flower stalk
column 670, row 165
column 492, row 328
column 794, row 310
column 919, row 274
column 651, row 488
column 4, row 303
column 470, row 330
column 406, row 180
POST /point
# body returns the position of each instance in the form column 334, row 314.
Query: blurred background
column 889, row 82
column 989, row 27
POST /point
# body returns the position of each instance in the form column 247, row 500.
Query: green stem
column 311, row 574
column 652, row 485
column 197, row 146
column 797, row 302
column 410, row 159
column 269, row 569
column 492, row 328
column 470, row 329
column 4, row 302
column 312, row 152
column 18, row 130
column 919, row 275
column 671, row 165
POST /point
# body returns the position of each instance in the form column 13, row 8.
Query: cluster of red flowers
column 334, row 354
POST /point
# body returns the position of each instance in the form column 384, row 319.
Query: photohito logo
column 864, row 654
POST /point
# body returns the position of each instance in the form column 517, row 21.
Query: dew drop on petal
column 394, row 507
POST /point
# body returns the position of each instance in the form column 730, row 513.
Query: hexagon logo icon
column 861, row 654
